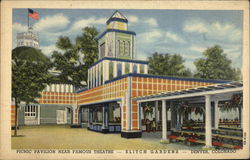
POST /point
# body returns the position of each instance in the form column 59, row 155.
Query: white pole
column 103, row 116
column 164, row 121
column 208, row 121
column 38, row 114
column 216, row 114
column 156, row 114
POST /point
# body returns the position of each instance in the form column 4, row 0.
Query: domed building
column 28, row 39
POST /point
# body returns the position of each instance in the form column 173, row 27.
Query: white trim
column 214, row 92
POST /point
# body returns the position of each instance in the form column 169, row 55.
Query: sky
column 185, row 32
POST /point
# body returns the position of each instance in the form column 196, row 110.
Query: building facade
column 108, row 104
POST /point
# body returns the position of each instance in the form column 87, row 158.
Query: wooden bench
column 224, row 145
column 219, row 140
column 228, row 137
column 231, row 128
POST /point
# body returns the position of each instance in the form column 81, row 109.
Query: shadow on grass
column 17, row 135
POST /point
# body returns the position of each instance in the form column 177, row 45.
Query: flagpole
column 28, row 19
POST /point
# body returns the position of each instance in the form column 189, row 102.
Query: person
column 147, row 125
column 154, row 125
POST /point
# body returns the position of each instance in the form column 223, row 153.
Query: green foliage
column 29, row 74
column 216, row 65
column 74, row 59
column 88, row 45
column 169, row 65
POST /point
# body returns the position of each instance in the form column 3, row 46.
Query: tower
column 116, row 46
column 117, row 41
column 29, row 39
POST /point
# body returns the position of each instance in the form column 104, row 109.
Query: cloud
column 233, row 52
column 151, row 21
column 151, row 36
column 174, row 37
column 19, row 27
column 132, row 19
column 195, row 26
column 226, row 32
column 79, row 24
column 197, row 48
column 48, row 50
column 52, row 23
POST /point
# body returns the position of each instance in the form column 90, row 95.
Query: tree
column 29, row 76
column 215, row 65
column 169, row 65
column 76, row 58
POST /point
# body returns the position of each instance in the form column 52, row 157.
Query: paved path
column 64, row 137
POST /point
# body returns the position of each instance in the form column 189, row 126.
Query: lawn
column 64, row 137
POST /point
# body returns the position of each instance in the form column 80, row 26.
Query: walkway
column 64, row 137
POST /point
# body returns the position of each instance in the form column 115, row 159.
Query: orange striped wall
column 57, row 98
column 114, row 90
column 13, row 113
column 148, row 86
column 141, row 86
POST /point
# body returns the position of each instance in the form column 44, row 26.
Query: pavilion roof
column 213, row 89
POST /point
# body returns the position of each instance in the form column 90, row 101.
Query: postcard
column 125, row 80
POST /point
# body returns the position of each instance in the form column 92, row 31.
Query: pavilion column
column 128, row 113
column 89, row 116
column 156, row 114
column 164, row 122
column 115, row 69
column 240, row 117
column 208, row 128
column 38, row 114
column 216, row 114
column 173, row 116
column 139, row 116
column 105, row 117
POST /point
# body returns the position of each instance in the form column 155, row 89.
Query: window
column 30, row 111
column 111, row 70
column 121, row 46
column 93, row 78
column 126, row 68
column 134, row 68
column 114, row 113
column 141, row 68
column 101, row 72
column 102, row 49
column 84, row 114
column 127, row 48
column 119, row 69
column 97, row 114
